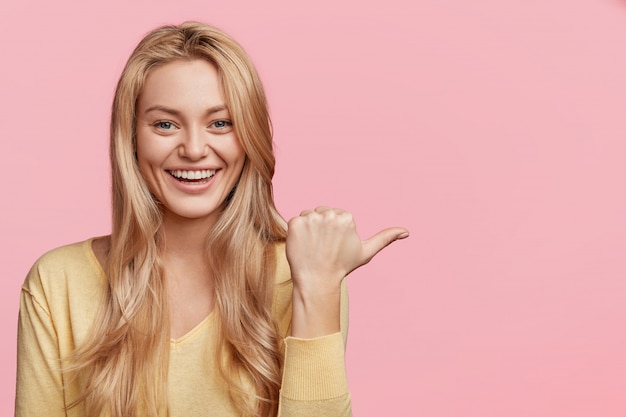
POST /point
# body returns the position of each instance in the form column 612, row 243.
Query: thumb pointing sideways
column 380, row 240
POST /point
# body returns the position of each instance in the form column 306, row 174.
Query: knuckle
column 294, row 221
column 347, row 218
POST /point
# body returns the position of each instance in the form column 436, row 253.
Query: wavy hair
column 123, row 364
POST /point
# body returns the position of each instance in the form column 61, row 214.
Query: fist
column 323, row 247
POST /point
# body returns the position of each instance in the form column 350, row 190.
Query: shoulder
column 61, row 255
column 65, row 288
column 62, row 270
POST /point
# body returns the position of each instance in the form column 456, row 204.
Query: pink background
column 493, row 130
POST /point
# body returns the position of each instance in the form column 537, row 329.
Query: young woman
column 202, row 301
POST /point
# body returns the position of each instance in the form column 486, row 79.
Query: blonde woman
column 203, row 301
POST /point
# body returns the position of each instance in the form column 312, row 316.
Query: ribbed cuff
column 314, row 368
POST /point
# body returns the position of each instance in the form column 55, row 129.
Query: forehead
column 182, row 83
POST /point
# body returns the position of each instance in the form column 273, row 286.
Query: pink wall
column 493, row 130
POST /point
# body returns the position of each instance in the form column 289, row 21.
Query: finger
column 305, row 213
column 382, row 239
column 322, row 209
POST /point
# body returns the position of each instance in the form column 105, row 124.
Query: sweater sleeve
column 39, row 390
column 314, row 374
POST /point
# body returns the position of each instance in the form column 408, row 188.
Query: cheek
column 237, row 154
column 143, row 161
column 148, row 162
column 147, row 152
column 230, row 151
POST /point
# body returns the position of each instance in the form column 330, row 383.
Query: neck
column 186, row 237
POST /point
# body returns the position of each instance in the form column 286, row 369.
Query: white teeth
column 193, row 175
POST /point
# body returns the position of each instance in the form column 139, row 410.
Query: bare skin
column 322, row 249
column 184, row 125
column 190, row 287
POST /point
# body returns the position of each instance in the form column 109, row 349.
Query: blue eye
column 221, row 124
column 164, row 125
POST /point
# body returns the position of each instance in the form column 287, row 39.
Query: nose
column 194, row 145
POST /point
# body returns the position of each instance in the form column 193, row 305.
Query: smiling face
column 187, row 150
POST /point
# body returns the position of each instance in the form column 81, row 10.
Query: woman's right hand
column 322, row 248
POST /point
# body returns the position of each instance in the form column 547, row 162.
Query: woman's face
column 187, row 149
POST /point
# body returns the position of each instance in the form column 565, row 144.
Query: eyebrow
column 175, row 112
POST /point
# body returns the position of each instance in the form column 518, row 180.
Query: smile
column 202, row 175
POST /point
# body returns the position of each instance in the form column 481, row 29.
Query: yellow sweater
column 59, row 302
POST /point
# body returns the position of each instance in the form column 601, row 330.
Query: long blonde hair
column 123, row 365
